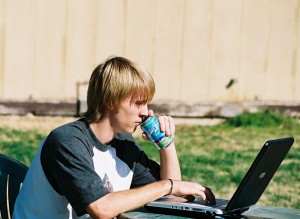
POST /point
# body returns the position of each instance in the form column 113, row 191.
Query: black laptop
column 247, row 194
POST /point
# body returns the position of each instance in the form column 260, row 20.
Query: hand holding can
column 152, row 128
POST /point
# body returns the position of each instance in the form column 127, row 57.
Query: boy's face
column 128, row 116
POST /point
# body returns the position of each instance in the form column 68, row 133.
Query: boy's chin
column 133, row 130
column 129, row 131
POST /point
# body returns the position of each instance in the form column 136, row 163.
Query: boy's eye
column 140, row 102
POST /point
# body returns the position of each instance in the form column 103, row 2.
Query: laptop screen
column 260, row 173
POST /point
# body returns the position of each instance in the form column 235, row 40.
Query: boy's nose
column 144, row 111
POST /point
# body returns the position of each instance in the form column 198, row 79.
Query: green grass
column 21, row 145
column 268, row 118
column 217, row 156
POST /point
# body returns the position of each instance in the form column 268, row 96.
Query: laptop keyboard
column 219, row 202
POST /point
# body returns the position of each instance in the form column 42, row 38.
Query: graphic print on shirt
column 107, row 183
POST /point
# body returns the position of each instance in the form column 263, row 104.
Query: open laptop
column 247, row 194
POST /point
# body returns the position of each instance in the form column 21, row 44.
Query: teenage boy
column 93, row 167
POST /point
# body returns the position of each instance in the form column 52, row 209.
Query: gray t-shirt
column 73, row 169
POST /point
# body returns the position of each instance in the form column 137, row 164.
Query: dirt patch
column 44, row 124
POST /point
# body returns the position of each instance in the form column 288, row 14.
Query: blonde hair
column 114, row 81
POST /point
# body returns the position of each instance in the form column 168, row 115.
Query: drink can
column 151, row 127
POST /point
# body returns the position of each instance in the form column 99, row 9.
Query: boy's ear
column 109, row 107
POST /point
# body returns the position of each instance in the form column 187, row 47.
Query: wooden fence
column 196, row 50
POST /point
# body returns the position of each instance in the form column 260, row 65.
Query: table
column 255, row 212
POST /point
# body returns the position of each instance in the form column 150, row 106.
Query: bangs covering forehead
column 143, row 95
column 127, row 80
column 141, row 88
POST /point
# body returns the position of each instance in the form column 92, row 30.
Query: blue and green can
column 151, row 127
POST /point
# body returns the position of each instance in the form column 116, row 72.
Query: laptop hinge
column 238, row 211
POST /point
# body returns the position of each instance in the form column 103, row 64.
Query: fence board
column 19, row 50
column 80, row 43
column 169, row 37
column 282, row 45
column 2, row 42
column 296, row 56
column 110, row 29
column 197, row 50
column 226, row 35
column 254, row 48
column 140, row 33
column 50, row 49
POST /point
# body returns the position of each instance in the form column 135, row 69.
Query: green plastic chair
column 12, row 174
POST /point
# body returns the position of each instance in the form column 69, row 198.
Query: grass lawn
column 215, row 156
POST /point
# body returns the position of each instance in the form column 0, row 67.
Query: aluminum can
column 151, row 127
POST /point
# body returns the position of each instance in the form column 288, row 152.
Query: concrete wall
column 196, row 50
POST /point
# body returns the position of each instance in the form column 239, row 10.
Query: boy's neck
column 103, row 131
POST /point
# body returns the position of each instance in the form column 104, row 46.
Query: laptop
column 247, row 194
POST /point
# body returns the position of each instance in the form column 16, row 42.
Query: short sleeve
column 145, row 170
column 67, row 162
